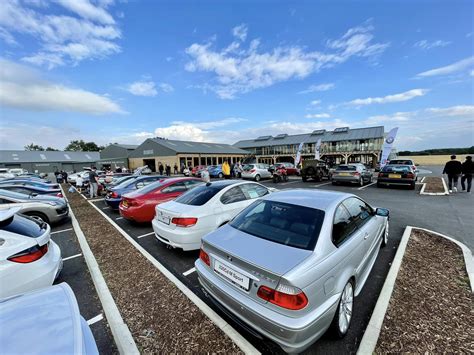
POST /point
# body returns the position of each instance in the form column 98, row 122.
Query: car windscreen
column 199, row 195
column 13, row 194
column 346, row 168
column 400, row 162
column 248, row 167
column 125, row 183
column 396, row 168
column 283, row 223
column 150, row 187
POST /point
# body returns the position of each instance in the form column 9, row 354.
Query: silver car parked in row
column 352, row 173
column 289, row 265
column 256, row 172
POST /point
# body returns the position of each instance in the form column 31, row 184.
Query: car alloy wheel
column 345, row 308
column 221, row 175
column 257, row 177
column 385, row 236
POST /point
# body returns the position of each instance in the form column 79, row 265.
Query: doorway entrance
column 151, row 164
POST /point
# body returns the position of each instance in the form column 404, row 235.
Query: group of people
column 61, row 176
column 167, row 169
column 455, row 169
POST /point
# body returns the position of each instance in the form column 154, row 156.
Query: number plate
column 233, row 276
column 163, row 219
column 344, row 174
column 124, row 203
column 394, row 176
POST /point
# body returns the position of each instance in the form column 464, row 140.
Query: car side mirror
column 383, row 212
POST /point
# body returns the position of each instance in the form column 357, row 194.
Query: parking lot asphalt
column 444, row 214
column 76, row 274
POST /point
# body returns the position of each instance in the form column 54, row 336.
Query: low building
column 115, row 156
column 340, row 145
column 47, row 161
column 156, row 151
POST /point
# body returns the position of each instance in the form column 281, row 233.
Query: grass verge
column 160, row 317
column 431, row 309
column 434, row 184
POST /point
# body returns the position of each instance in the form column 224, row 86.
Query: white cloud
column 240, row 32
column 182, row 132
column 392, row 118
column 212, row 124
column 461, row 110
column 146, row 87
column 315, row 102
column 142, row 88
column 319, row 87
column 318, row 115
column 449, row 69
column 471, row 73
column 166, row 87
column 87, row 10
column 23, row 88
column 404, row 96
column 424, row 44
column 61, row 39
column 236, row 70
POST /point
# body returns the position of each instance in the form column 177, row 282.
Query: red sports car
column 139, row 206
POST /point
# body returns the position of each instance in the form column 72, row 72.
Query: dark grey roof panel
column 327, row 136
column 38, row 156
column 127, row 146
column 199, row 147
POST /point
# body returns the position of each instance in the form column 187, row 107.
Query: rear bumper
column 387, row 181
column 113, row 202
column 183, row 238
column 134, row 214
column 350, row 179
column 293, row 335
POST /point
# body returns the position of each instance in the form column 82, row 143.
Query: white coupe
column 183, row 222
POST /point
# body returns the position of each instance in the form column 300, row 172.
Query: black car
column 401, row 175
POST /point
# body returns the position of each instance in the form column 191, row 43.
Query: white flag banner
column 387, row 146
column 298, row 154
column 317, row 154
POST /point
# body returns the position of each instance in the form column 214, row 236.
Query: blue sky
column 122, row 71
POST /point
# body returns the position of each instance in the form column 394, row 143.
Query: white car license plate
column 233, row 276
column 164, row 219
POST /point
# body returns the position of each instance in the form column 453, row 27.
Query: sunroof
column 341, row 130
column 263, row 138
column 281, row 136
column 317, row 132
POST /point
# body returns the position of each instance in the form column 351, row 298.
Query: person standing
column 64, row 174
column 168, row 170
column 93, row 183
column 160, row 168
column 175, row 169
column 467, row 171
column 79, row 182
column 453, row 169
column 226, row 169
column 205, row 175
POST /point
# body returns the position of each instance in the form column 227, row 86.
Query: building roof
column 198, row 147
column 127, row 146
column 339, row 134
column 39, row 156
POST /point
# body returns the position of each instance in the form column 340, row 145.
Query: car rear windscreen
column 248, row 167
column 346, row 167
column 400, row 162
column 199, row 195
column 396, row 168
column 283, row 223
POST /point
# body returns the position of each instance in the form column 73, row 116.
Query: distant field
column 432, row 159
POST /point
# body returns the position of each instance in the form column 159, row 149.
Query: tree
column 49, row 149
column 80, row 145
column 33, row 146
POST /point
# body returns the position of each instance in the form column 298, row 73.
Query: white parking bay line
column 363, row 187
column 104, row 208
column 96, row 319
column 190, row 271
column 97, row 199
column 61, row 231
column 326, row 183
column 145, row 235
column 72, row 257
column 118, row 218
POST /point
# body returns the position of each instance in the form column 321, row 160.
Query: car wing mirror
column 383, row 212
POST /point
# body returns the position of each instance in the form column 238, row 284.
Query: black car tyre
column 412, row 186
column 38, row 216
column 379, row 184
column 334, row 182
column 221, row 175
column 342, row 319
column 304, row 178
column 257, row 177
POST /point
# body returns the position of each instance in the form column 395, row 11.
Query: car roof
column 6, row 213
column 319, row 199
column 224, row 183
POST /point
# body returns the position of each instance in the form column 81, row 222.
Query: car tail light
column 410, row 175
column 381, row 174
column 414, row 167
column 184, row 222
column 114, row 194
column 29, row 255
column 288, row 297
column 252, row 171
column 59, row 194
column 204, row 257
column 356, row 173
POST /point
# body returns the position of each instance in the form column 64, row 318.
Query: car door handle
column 366, row 235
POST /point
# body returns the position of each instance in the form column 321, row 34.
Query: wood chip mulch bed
column 432, row 307
column 160, row 317
column 434, row 184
